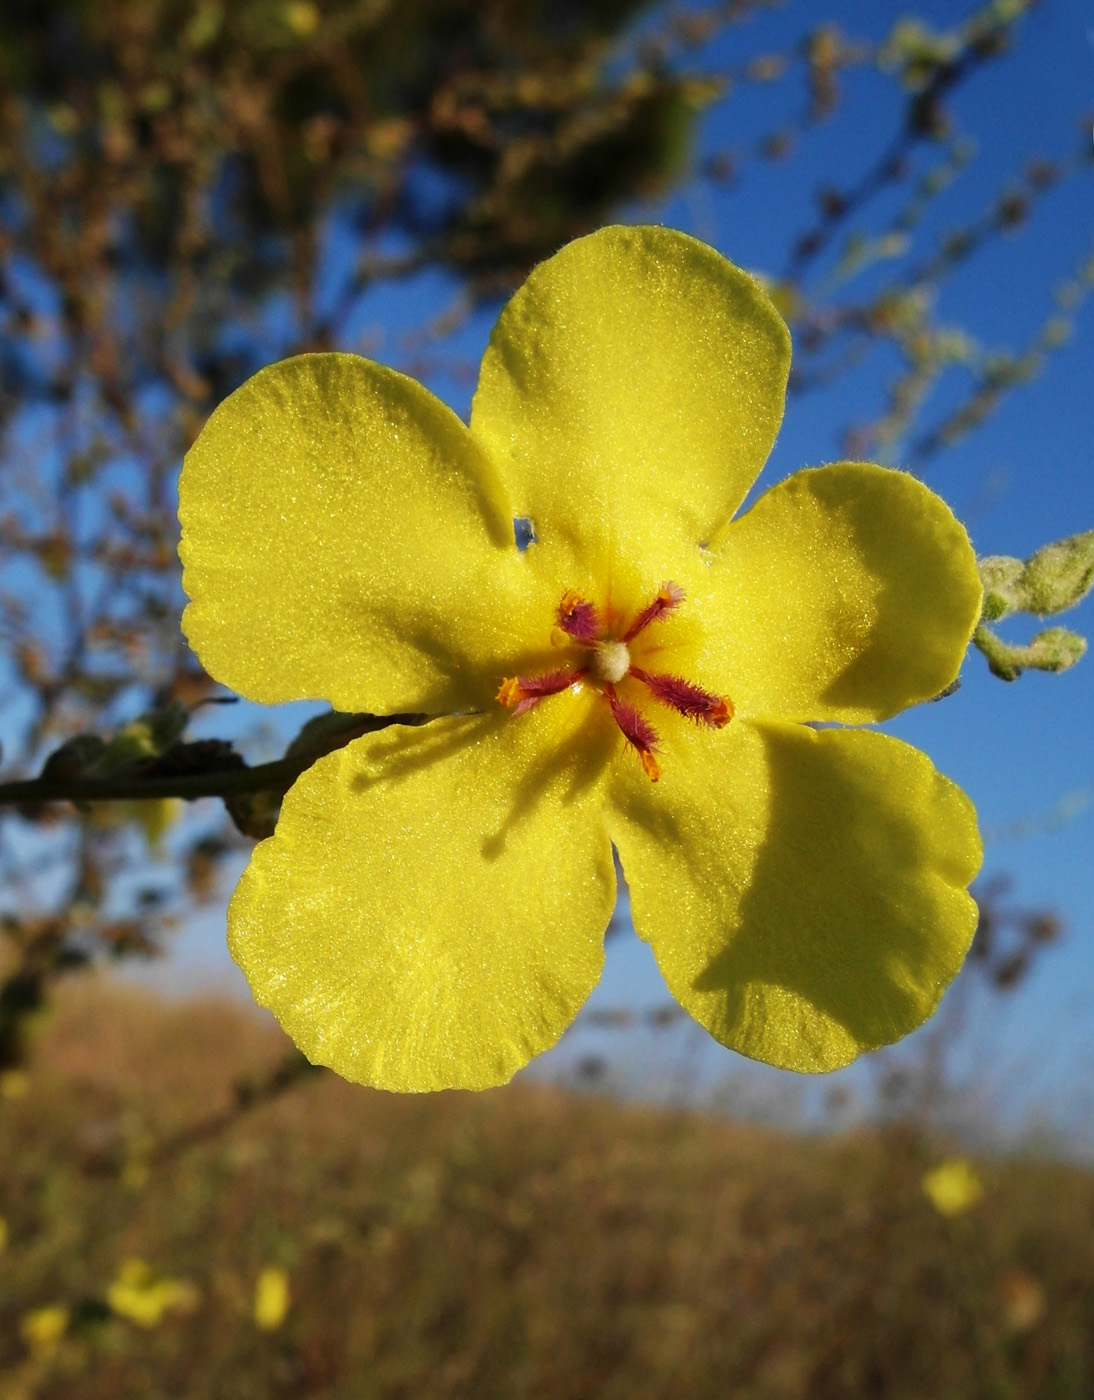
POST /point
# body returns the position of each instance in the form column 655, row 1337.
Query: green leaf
column 1054, row 579
column 1055, row 649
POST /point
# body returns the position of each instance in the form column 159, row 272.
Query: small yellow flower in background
column 142, row 1297
column 645, row 674
column 43, row 1329
column 953, row 1187
column 14, row 1084
column 3, row 1234
column 302, row 18
column 271, row 1299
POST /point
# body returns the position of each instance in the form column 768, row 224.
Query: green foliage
column 90, row 756
column 1054, row 649
column 1057, row 577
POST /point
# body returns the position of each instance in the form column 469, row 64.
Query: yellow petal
column 804, row 891
column 272, row 1298
column 430, row 913
column 43, row 1329
column 343, row 538
column 629, row 396
column 846, row 593
column 138, row 1295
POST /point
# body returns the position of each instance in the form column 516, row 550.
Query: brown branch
column 139, row 784
column 248, row 1094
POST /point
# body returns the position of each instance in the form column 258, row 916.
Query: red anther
column 521, row 693
column 691, row 701
column 578, row 618
column 669, row 597
column 637, row 731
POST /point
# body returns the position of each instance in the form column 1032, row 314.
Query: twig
column 140, row 784
column 247, row 1095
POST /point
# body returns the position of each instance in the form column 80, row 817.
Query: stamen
column 607, row 662
column 691, row 701
column 637, row 731
column 669, row 597
column 521, row 693
column 578, row 618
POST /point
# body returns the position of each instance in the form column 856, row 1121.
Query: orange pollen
column 520, row 693
column 578, row 618
column 691, row 701
column 637, row 731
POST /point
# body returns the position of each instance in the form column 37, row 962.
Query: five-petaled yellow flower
column 431, row 910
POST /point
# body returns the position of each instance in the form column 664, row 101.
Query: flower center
column 609, row 663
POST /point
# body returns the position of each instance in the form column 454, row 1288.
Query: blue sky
column 1025, row 478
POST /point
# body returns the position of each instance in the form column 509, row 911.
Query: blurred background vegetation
column 192, row 189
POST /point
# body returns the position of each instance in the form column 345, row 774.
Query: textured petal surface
column 846, row 593
column 430, row 913
column 344, row 538
column 804, row 891
column 629, row 396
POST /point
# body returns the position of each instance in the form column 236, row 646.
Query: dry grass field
column 529, row 1243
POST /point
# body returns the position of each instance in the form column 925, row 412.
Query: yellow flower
column 43, row 1329
column 138, row 1295
column 302, row 18
column 271, row 1299
column 953, row 1187
column 431, row 909
column 14, row 1084
column 3, row 1234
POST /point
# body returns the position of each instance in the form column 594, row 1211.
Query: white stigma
column 611, row 662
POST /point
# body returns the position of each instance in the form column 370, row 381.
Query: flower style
column 647, row 673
